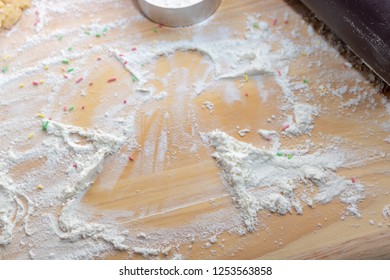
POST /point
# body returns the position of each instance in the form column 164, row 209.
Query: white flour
column 173, row 3
column 262, row 180
column 42, row 212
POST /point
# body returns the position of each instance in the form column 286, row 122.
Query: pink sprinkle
column 160, row 25
column 111, row 80
column 286, row 21
column 246, row 94
column 91, row 84
column 353, row 179
column 35, row 83
column 275, row 21
column 99, row 58
column 50, row 118
column 65, row 76
column 82, row 107
column 124, row 63
column 79, row 80
column 124, row 101
column 285, row 127
column 134, row 49
column 121, row 54
column 65, row 108
column 75, row 165
column 279, row 73
column 131, row 158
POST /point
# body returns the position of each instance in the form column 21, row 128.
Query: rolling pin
column 364, row 25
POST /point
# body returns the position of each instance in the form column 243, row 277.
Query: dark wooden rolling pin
column 364, row 25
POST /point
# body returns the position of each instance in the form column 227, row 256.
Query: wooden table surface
column 185, row 188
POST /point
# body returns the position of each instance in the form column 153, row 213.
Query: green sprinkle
column 279, row 154
column 105, row 29
column 65, row 61
column 71, row 108
column 70, row 70
column 255, row 25
column 155, row 30
column 70, row 49
column 134, row 78
column 98, row 35
column 44, row 126
column 5, row 69
column 290, row 156
column 87, row 32
column 305, row 81
column 60, row 37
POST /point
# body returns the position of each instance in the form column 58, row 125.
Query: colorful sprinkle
column 255, row 25
column 111, row 80
column 30, row 136
column 44, row 126
column 155, row 30
column 40, row 115
column 305, row 81
column 285, row 127
column 246, row 78
column 125, row 101
column 5, row 69
column 125, row 62
column 98, row 35
column 40, row 187
column 134, row 78
column 134, row 49
column 35, row 83
column 74, row 165
column 82, row 107
column 65, row 108
column 353, row 179
column 70, row 49
column 70, row 70
column 279, row 154
column 131, row 158
column 46, row 67
column 279, row 73
column 65, row 61
column 275, row 21
column 79, row 80
column 71, row 109
column 21, row 85
column 90, row 84
column 290, row 156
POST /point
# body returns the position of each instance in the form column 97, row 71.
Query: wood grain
column 186, row 188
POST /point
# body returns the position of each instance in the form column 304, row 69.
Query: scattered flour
column 303, row 114
column 386, row 212
column 54, row 222
column 261, row 180
column 209, row 105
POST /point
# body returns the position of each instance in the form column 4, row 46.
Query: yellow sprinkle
column 246, row 78
column 304, row 53
column 40, row 115
column 42, row 81
column 6, row 57
column 31, row 135
column 21, row 85
column 40, row 187
column 46, row 67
